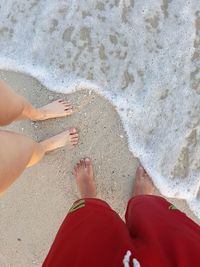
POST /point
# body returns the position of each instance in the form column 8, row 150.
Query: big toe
column 88, row 162
column 140, row 172
column 73, row 131
column 88, row 165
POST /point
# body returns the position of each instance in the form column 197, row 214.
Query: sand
column 35, row 205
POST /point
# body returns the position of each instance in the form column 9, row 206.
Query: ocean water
column 142, row 55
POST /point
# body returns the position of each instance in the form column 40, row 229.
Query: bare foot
column 83, row 171
column 143, row 183
column 69, row 137
column 56, row 109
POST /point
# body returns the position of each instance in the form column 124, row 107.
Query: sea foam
column 144, row 56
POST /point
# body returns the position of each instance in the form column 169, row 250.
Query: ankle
column 29, row 112
column 35, row 114
column 45, row 145
column 88, row 195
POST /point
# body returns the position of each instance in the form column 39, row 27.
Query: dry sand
column 34, row 207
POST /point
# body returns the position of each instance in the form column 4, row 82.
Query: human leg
column 18, row 152
column 15, row 153
column 92, row 234
column 15, row 107
column 67, row 138
column 163, row 235
column 11, row 105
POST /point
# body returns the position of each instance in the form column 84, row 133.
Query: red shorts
column 155, row 234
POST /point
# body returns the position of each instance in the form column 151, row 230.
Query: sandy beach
column 34, row 207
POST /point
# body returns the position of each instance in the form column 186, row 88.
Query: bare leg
column 18, row 152
column 143, row 183
column 14, row 107
column 15, row 153
column 83, row 172
column 67, row 138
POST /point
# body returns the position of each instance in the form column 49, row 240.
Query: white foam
column 139, row 54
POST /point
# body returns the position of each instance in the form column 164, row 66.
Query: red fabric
column 163, row 236
column 94, row 236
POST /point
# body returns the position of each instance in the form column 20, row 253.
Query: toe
column 74, row 136
column 82, row 162
column 68, row 107
column 74, row 143
column 74, row 140
column 88, row 163
column 140, row 172
column 69, row 111
column 72, row 131
column 78, row 165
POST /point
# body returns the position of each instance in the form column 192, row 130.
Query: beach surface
column 36, row 204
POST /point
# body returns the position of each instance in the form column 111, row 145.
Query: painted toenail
column 73, row 130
